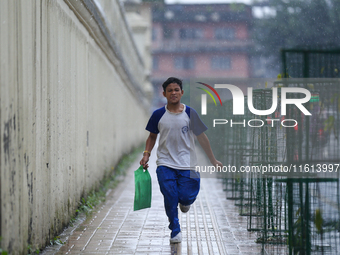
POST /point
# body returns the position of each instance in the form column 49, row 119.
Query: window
column 220, row 63
column 154, row 34
column 190, row 33
column 184, row 63
column 167, row 32
column 225, row 33
column 155, row 62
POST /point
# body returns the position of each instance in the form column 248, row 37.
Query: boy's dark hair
column 172, row 80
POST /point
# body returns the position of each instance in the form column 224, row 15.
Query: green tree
column 153, row 1
column 297, row 23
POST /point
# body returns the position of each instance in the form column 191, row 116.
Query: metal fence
column 297, row 213
column 310, row 63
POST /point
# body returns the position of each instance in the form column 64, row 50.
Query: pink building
column 201, row 41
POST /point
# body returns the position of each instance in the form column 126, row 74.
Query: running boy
column 176, row 156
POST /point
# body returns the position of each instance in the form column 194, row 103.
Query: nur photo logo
column 278, row 100
column 204, row 97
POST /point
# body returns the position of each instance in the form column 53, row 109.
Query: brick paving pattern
column 212, row 226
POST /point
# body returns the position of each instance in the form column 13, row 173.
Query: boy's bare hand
column 144, row 161
column 217, row 163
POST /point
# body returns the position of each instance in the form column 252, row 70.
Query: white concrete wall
column 70, row 106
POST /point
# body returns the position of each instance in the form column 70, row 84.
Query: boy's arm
column 150, row 143
column 205, row 144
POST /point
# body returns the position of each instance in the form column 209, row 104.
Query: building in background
column 201, row 41
column 139, row 17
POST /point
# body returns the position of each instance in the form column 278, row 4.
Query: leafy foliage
column 2, row 252
column 56, row 240
column 89, row 203
column 318, row 220
column 31, row 250
column 298, row 23
column 97, row 196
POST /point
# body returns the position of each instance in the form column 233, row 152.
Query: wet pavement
column 212, row 226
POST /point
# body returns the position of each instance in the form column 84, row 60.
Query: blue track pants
column 177, row 186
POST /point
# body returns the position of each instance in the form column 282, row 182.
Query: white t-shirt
column 177, row 131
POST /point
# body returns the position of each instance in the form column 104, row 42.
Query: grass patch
column 31, row 250
column 56, row 240
column 95, row 197
column 2, row 252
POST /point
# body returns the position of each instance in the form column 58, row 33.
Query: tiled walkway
column 212, row 226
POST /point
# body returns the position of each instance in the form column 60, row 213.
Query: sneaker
column 184, row 208
column 177, row 238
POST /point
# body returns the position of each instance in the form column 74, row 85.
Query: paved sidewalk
column 212, row 226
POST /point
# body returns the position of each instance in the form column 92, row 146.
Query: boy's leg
column 167, row 179
column 188, row 186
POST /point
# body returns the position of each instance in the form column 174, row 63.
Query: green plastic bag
column 142, row 189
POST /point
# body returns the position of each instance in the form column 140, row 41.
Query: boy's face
column 173, row 93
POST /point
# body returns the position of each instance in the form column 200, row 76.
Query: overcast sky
column 206, row 1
